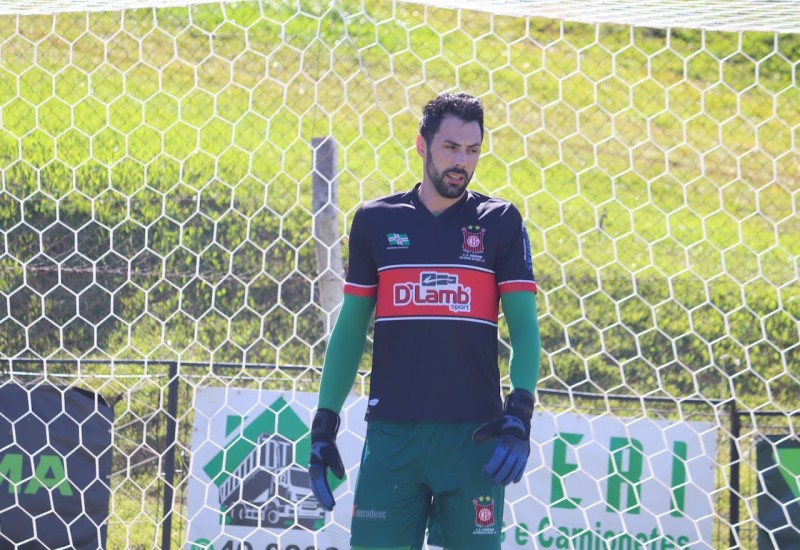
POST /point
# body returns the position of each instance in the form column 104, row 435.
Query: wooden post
column 325, row 204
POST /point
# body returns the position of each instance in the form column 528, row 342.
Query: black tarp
column 55, row 466
column 778, row 502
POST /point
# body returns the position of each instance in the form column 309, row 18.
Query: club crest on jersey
column 434, row 288
column 484, row 515
column 472, row 246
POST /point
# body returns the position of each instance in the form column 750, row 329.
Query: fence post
column 168, row 464
column 325, row 204
column 734, row 492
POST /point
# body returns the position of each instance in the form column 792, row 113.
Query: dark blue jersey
column 437, row 282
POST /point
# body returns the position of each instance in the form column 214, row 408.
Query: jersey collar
column 447, row 212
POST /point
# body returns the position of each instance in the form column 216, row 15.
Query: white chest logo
column 434, row 289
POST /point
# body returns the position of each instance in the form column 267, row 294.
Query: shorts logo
column 472, row 246
column 369, row 514
column 484, row 515
column 434, row 289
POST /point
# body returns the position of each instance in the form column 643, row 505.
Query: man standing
column 433, row 263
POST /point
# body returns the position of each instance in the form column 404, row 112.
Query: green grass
column 187, row 131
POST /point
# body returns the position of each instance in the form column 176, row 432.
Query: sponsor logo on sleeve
column 526, row 248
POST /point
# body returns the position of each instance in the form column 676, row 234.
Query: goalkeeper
column 434, row 263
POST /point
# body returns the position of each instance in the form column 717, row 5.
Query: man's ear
column 421, row 145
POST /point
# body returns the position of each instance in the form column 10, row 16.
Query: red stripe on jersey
column 518, row 286
column 359, row 290
column 437, row 291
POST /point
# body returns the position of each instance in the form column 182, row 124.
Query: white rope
column 45, row 7
column 721, row 15
column 738, row 15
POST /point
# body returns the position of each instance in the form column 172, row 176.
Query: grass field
column 634, row 153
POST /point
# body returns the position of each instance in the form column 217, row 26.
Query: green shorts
column 418, row 475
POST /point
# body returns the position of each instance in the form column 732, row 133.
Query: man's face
column 452, row 156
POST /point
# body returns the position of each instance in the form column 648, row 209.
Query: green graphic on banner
column 778, row 462
column 789, row 464
column 261, row 475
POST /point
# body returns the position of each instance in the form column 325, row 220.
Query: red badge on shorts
column 484, row 511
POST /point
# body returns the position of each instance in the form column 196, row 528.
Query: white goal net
column 178, row 180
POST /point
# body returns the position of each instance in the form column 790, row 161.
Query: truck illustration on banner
column 254, row 461
column 268, row 488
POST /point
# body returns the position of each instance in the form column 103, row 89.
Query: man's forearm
column 345, row 349
column 519, row 309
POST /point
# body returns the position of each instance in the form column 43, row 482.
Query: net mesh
column 159, row 203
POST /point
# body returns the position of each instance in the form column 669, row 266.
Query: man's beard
column 445, row 189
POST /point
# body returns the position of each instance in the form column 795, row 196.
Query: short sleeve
column 514, row 269
column 362, row 275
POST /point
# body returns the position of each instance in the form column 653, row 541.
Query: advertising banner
column 55, row 465
column 610, row 482
column 778, row 463
column 590, row 481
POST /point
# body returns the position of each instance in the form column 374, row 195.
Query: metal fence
column 153, row 400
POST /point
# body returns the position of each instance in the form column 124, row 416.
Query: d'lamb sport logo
column 434, row 289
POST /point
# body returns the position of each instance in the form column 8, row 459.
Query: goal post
column 178, row 179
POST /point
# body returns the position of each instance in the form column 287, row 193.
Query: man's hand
column 510, row 457
column 324, row 455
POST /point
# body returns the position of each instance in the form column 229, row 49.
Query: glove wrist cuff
column 520, row 403
column 325, row 423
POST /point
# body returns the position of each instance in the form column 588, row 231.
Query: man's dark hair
column 461, row 105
